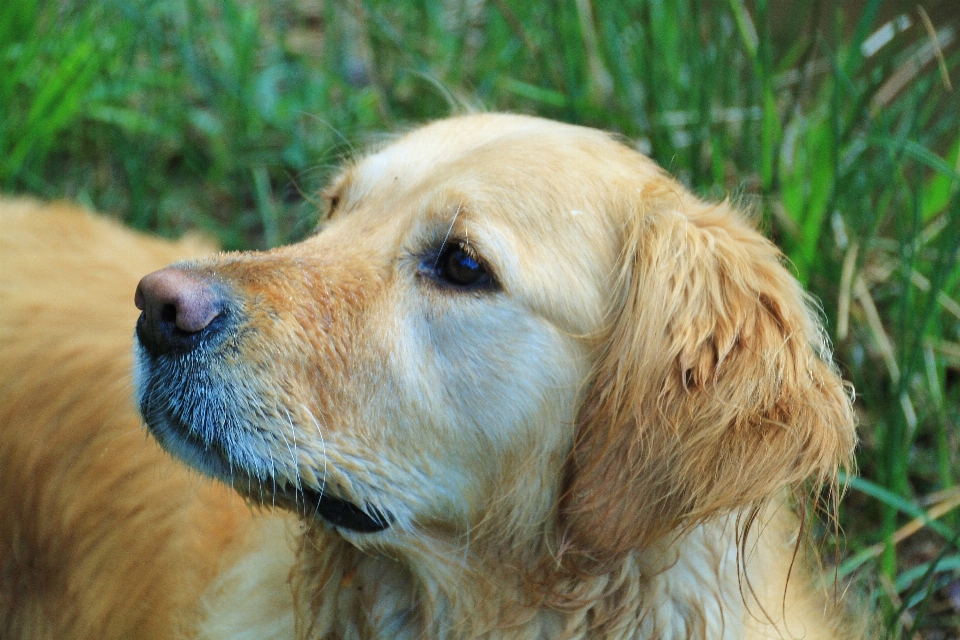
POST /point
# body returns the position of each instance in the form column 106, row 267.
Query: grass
column 840, row 126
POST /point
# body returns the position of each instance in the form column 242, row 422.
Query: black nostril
column 168, row 314
column 179, row 309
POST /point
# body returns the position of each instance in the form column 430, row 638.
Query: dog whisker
column 443, row 244
column 323, row 448
column 297, row 489
column 330, row 126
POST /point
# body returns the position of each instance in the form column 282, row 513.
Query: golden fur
column 607, row 439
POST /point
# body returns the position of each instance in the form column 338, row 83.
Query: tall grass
column 837, row 122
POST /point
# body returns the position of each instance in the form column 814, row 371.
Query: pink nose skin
column 176, row 306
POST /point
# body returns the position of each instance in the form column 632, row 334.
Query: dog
column 520, row 383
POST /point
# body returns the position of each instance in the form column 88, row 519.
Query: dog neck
column 435, row 592
column 429, row 590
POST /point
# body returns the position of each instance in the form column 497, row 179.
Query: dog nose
column 179, row 307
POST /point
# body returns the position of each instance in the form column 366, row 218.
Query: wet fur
column 612, row 443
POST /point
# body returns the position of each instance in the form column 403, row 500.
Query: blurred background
column 837, row 122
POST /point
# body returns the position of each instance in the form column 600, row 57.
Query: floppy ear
column 714, row 390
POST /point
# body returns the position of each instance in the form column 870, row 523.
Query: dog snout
column 179, row 308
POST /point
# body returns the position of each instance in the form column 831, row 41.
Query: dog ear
column 714, row 389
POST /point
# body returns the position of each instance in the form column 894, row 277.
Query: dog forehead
column 544, row 202
column 538, row 199
column 530, row 173
column 481, row 142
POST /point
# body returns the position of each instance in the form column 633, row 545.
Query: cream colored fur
column 610, row 441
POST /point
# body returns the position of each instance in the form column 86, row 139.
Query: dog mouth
column 211, row 458
column 338, row 512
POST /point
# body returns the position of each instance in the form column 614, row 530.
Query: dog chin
column 176, row 436
column 245, row 472
column 177, row 439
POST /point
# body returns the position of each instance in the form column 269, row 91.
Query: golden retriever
column 519, row 384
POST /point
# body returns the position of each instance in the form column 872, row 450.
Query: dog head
column 506, row 326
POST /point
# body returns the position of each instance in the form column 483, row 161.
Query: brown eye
column 460, row 268
column 457, row 267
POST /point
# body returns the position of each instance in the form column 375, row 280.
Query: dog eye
column 457, row 266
